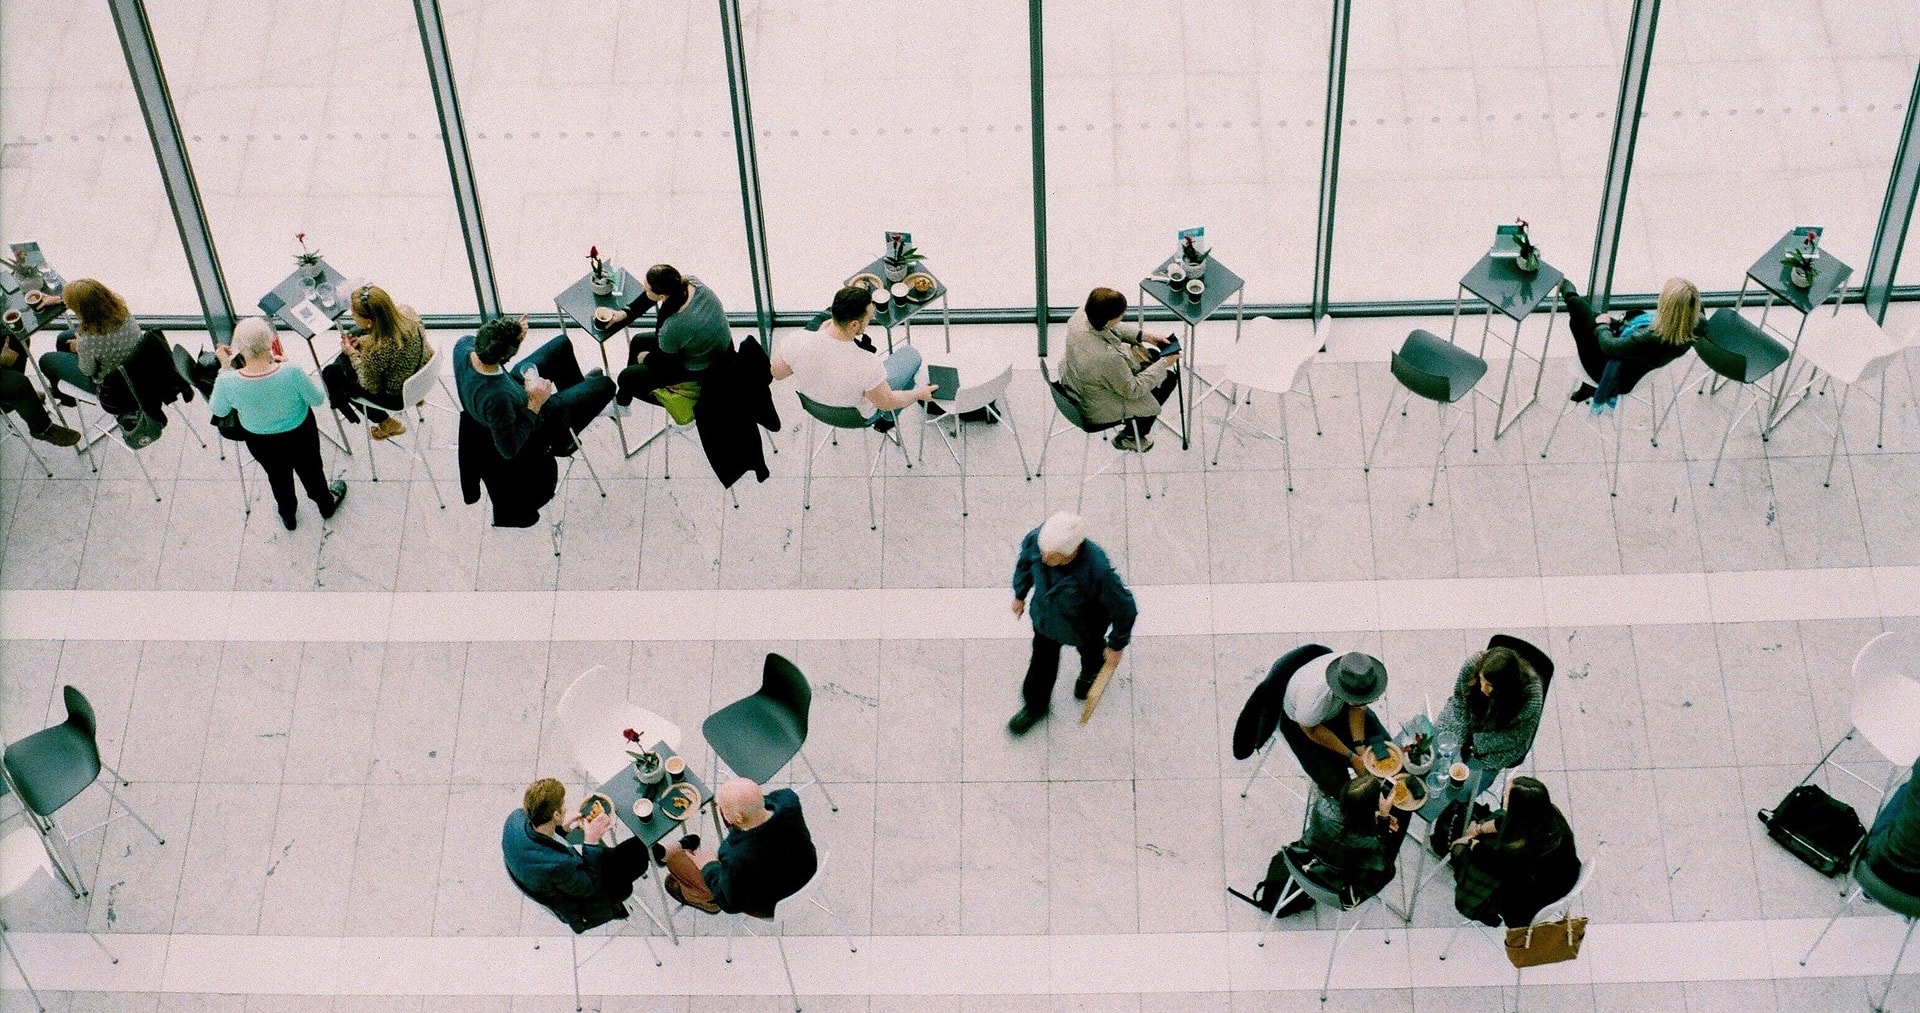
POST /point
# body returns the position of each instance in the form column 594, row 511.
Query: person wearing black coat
column 585, row 887
column 1511, row 865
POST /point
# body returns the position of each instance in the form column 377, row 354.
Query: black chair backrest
column 782, row 683
column 1432, row 386
column 1282, row 673
column 80, row 713
column 834, row 415
column 1534, row 656
column 1729, row 364
column 1064, row 400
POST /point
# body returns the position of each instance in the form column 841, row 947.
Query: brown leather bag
column 1546, row 943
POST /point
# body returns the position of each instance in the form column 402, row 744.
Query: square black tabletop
column 624, row 789
column 578, row 302
column 1221, row 282
column 290, row 292
column 899, row 311
column 1773, row 275
column 1508, row 289
column 13, row 292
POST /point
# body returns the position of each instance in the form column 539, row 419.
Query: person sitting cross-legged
column 838, row 367
column 767, row 856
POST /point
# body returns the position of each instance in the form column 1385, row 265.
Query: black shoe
column 565, row 448
column 1023, row 722
column 292, row 523
column 59, row 436
column 691, row 842
column 339, row 491
column 660, row 854
column 1082, row 686
column 1566, row 288
column 1582, row 394
column 595, row 371
column 883, row 424
column 65, row 399
column 934, row 411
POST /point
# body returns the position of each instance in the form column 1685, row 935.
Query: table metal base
column 1501, row 421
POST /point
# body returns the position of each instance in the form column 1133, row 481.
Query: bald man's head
column 741, row 803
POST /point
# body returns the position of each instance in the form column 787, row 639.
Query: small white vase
column 1799, row 277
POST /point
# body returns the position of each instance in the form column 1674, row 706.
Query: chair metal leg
column 1133, row 429
column 1678, row 389
column 835, row 915
column 1286, row 443
column 1233, row 408
column 1258, row 767
column 780, row 943
column 1366, row 460
column 1313, row 400
column 1881, row 1006
column 1287, row 896
column 818, row 781
column 1619, row 437
column 1731, row 426
column 1326, row 983
column 1040, row 465
column 137, row 818
column 24, row 980
column 27, row 441
column 1555, row 429
column 142, row 465
column 1817, row 940
column 181, row 414
column 1839, row 431
column 1006, row 419
column 1085, row 448
column 573, row 942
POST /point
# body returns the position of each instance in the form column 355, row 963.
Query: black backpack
column 1266, row 893
column 1819, row 829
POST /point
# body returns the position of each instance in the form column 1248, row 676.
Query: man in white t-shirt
column 1333, row 711
column 831, row 367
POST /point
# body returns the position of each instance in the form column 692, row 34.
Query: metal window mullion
column 1330, row 155
column 1634, row 69
column 176, row 168
column 747, row 159
column 1036, row 82
column 1896, row 212
column 453, row 131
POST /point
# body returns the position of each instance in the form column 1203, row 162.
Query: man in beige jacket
column 1115, row 371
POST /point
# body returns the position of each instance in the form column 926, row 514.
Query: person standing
column 1079, row 600
column 275, row 403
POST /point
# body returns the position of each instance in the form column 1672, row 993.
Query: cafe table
column 13, row 299
column 624, row 788
column 577, row 305
column 1220, row 284
column 1514, row 294
column 899, row 311
column 310, row 308
column 1775, row 278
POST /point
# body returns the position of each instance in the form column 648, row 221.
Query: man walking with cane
column 1079, row 601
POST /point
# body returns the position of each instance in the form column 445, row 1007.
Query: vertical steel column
column 1634, row 68
column 1036, row 85
column 1330, row 155
column 176, row 170
column 1896, row 212
column 748, row 159
column 453, row 129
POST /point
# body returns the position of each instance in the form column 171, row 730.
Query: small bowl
column 899, row 290
column 676, row 765
column 643, row 808
column 881, row 297
column 871, row 282
column 603, row 316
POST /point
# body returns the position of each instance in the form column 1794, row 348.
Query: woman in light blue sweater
column 275, row 402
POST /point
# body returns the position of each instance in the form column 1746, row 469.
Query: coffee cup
column 1176, row 273
column 12, row 319
column 643, row 808
column 899, row 290
column 881, row 297
column 1458, row 772
column 1195, row 289
column 676, row 765
column 603, row 315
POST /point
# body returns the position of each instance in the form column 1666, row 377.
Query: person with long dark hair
column 1520, row 859
column 1494, row 710
column 690, row 331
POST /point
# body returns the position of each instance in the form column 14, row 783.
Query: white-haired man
column 1078, row 600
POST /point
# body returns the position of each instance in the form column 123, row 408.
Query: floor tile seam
column 1653, row 782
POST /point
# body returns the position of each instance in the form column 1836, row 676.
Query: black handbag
column 138, row 426
column 1817, row 828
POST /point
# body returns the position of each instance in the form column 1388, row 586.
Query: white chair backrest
column 806, row 889
column 594, row 693
column 1558, row 909
column 978, row 396
column 22, row 855
column 416, row 387
column 1271, row 353
column 1886, row 696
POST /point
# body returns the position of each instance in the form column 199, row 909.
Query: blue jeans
column 903, row 368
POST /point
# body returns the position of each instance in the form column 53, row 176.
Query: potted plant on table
column 1194, row 259
column 647, row 766
column 600, row 275
column 899, row 261
column 1800, row 261
column 309, row 260
column 1419, row 753
column 1528, row 260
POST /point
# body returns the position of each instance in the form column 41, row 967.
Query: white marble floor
column 330, row 723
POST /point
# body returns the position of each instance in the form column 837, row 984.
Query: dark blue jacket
column 565, row 880
column 1078, row 603
column 760, row 867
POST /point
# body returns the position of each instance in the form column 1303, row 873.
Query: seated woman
column 831, row 365
column 1115, row 371
column 1615, row 353
column 376, row 362
column 1333, row 715
column 1494, row 710
column 275, row 402
column 1511, row 865
column 103, row 338
column 690, row 331
column 1353, row 838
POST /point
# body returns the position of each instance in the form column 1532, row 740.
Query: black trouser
column 624, row 863
column 1044, row 669
column 18, row 396
column 576, row 399
column 1585, row 326
column 285, row 455
column 343, row 385
column 660, row 369
column 1143, row 424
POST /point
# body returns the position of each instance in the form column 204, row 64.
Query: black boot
column 1023, row 722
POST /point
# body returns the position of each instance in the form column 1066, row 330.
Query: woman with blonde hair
column 275, row 402
column 390, row 345
column 102, row 339
column 1616, row 352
